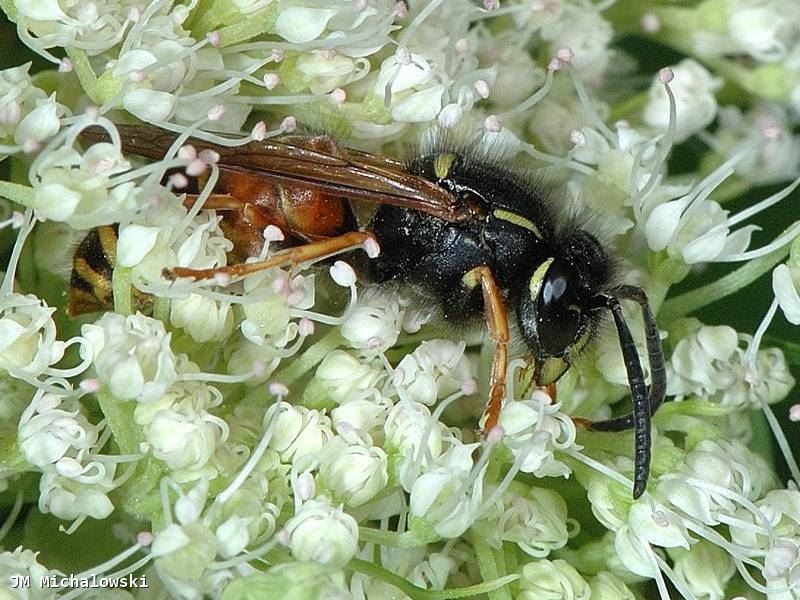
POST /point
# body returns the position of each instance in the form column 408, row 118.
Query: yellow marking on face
column 518, row 220
column 537, row 279
column 471, row 279
column 443, row 163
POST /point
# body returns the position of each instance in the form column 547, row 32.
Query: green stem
column 490, row 567
column 689, row 302
column 392, row 538
column 161, row 309
column 418, row 593
column 85, row 73
column 259, row 23
column 119, row 416
column 310, row 358
column 121, row 289
column 21, row 194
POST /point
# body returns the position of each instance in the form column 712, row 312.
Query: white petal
column 706, row 247
column 41, row 10
column 786, row 291
column 419, row 106
column 739, row 240
column 300, row 25
column 41, row 123
column 135, row 241
column 132, row 61
column 149, row 105
column 55, row 201
column 663, row 223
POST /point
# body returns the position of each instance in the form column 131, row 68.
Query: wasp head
column 558, row 313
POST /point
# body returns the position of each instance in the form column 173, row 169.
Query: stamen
column 650, row 23
column 254, row 459
column 492, row 124
column 271, row 80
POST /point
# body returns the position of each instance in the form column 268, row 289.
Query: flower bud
column 323, row 534
column 354, row 474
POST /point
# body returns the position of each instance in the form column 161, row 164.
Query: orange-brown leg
column 293, row 256
column 494, row 311
column 215, row 202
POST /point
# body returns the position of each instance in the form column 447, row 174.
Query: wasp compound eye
column 558, row 314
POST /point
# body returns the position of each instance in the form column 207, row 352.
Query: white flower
column 448, row 497
column 185, row 439
column 706, row 569
column 766, row 129
column 410, row 79
column 767, row 31
column 298, row 431
column 272, row 295
column 40, row 124
column 780, row 508
column 18, row 97
column 373, row 326
column 202, row 318
column 694, row 88
column 164, row 239
column 184, row 552
column 345, row 378
column 94, row 25
column 69, row 500
column 48, row 432
column 694, row 230
column 727, row 466
column 552, row 580
column 710, row 364
column 413, row 437
column 23, row 563
column 149, row 105
column 651, row 523
column 298, row 24
column 535, row 519
column 434, row 370
column 352, row 473
column 132, row 356
column 367, row 415
column 320, row 533
column 587, row 34
column 324, row 74
column 28, row 344
column 533, row 431
column 606, row 586
column 79, row 188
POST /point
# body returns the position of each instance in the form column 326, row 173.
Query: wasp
column 455, row 223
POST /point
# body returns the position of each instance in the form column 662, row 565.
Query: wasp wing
column 316, row 162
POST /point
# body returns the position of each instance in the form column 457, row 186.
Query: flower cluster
column 236, row 417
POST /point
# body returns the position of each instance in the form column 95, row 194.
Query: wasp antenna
column 655, row 352
column 640, row 417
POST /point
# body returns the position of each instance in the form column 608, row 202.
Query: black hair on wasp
column 458, row 222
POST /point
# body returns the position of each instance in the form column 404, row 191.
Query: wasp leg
column 497, row 323
column 293, row 256
column 214, row 202
column 645, row 402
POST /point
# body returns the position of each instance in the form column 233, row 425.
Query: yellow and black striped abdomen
column 90, row 284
